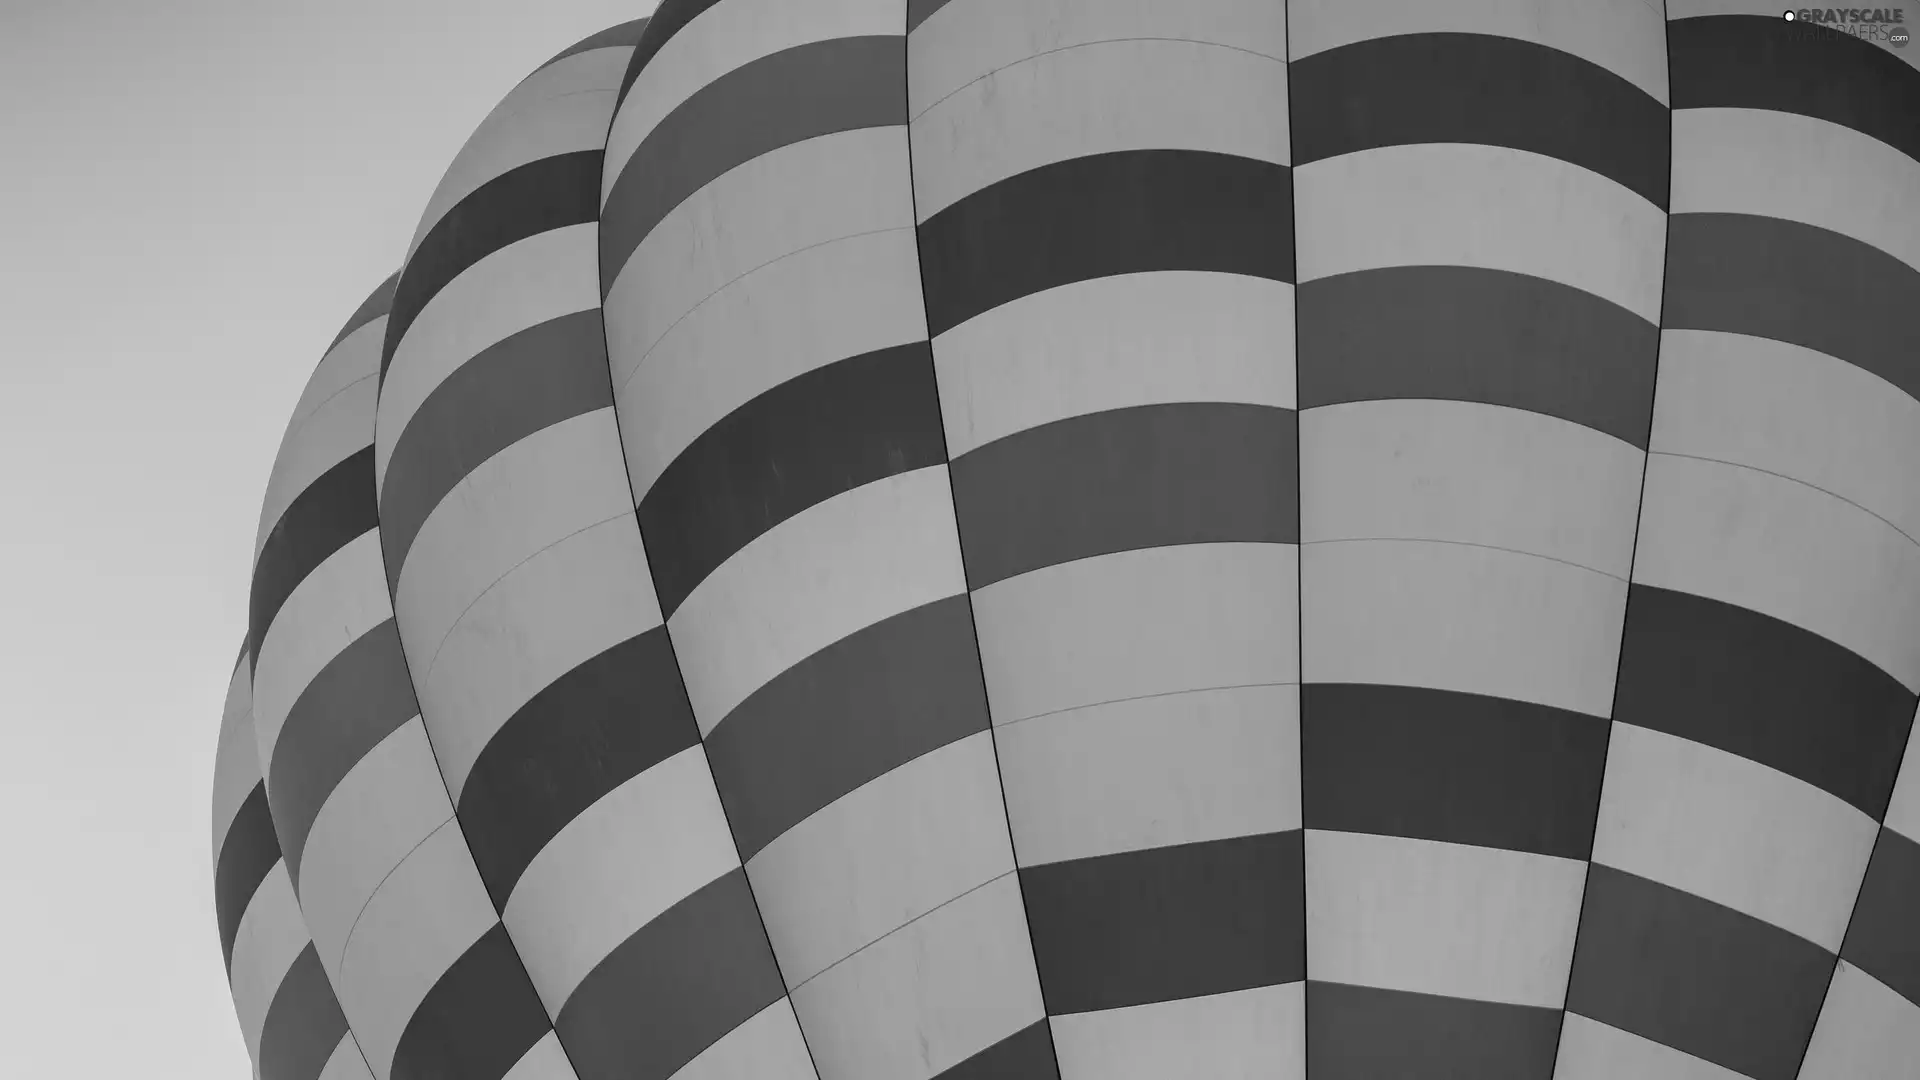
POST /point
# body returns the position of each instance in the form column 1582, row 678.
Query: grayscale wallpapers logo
column 1883, row 26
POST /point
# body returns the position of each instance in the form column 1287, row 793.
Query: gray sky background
column 194, row 195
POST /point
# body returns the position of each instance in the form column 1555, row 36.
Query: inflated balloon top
column 1112, row 540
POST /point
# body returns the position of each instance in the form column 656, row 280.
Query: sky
column 194, row 195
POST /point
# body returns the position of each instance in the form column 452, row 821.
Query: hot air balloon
column 1124, row 540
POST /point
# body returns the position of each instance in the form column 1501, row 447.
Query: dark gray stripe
column 538, row 197
column 1764, row 62
column 1167, row 923
column 1883, row 939
column 1127, row 212
column 373, row 307
column 674, row 988
column 304, row 1023
column 1457, row 768
column 815, row 436
column 480, row 1018
column 853, row 711
column 919, row 10
column 1126, row 479
column 246, row 858
column 608, row 720
column 797, row 94
column 522, row 384
column 1366, row 1033
column 1458, row 333
column 1766, row 690
column 334, row 510
column 359, row 698
column 1795, row 283
column 1694, row 975
column 668, row 19
column 625, row 35
column 1026, row 1054
column 1481, row 89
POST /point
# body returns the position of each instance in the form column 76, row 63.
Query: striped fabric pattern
column 1110, row 540
column 289, row 1016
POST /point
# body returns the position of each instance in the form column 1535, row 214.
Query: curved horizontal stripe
column 552, row 613
column 1165, row 923
column 1137, row 624
column 799, row 444
column 830, row 570
column 624, row 35
column 1764, row 689
column 1026, row 1054
column 621, row 863
column 1795, row 283
column 823, row 87
column 1696, row 976
column 1145, row 772
column 1113, row 343
column 723, row 39
column 342, row 599
column 1463, row 333
column 1439, row 918
column 1101, row 215
column 389, row 803
column 423, row 915
column 355, row 358
column 332, row 512
column 1883, row 938
column 1097, row 98
column 549, row 486
column 1477, row 88
column 1783, row 165
column 304, row 1023
column 1728, row 830
column 538, row 197
column 668, row 19
column 1366, row 1032
column 1243, row 1035
column 972, row 41
column 1765, row 62
column 1466, row 473
column 246, row 856
column 547, row 373
column 1151, row 476
column 817, row 306
column 1626, row 37
column 357, row 700
column 561, row 108
column 1790, row 410
column 1446, row 766
column 1460, row 204
column 335, row 430
column 882, row 856
column 1777, row 546
column 477, row 1021
column 694, row 974
column 524, row 284
column 377, row 304
column 1463, row 617
column 589, row 731
column 928, row 995
column 855, row 710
